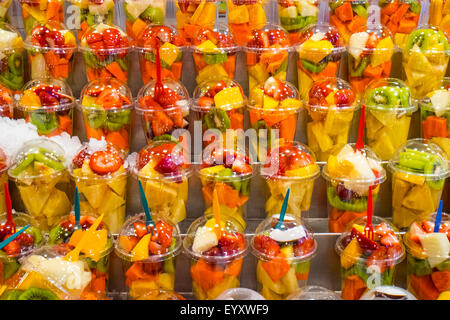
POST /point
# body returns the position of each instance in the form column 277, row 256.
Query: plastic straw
column 283, row 209
column 423, row 18
column 324, row 13
column 437, row 221
column 14, row 236
column 77, row 209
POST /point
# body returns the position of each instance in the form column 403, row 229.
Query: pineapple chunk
column 436, row 247
column 204, row 240
column 140, row 251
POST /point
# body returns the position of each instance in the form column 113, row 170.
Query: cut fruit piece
column 436, row 247
column 94, row 194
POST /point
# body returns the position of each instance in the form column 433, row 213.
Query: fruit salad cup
column 217, row 251
column 425, row 60
column 96, row 254
column 435, row 116
column 100, row 172
column 48, row 104
column 106, row 105
column 12, row 61
column 36, row 12
column 273, row 108
column 214, row 54
column 428, row 259
column 148, row 254
column 229, row 172
column 3, row 179
column 39, row 171
column 6, row 102
column 319, row 50
column 105, row 51
column 10, row 255
column 284, row 256
column 193, row 15
column 349, row 17
column 245, row 16
column 267, row 52
column 290, row 166
column 388, row 116
column 93, row 12
column 163, row 168
column 368, row 263
column 330, row 108
column 297, row 14
column 440, row 14
column 401, row 17
column 419, row 169
column 141, row 13
column 171, row 47
column 4, row 6
column 349, row 175
column 165, row 114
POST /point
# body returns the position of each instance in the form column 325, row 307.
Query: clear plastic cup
column 428, row 260
column 419, row 169
column 348, row 17
column 267, row 52
column 105, row 50
column 435, row 116
column 215, row 266
column 290, row 166
column 425, row 62
column 106, row 105
column 35, row 12
column 389, row 110
column 10, row 255
column 284, row 256
column 39, row 171
column 388, row 293
column 440, row 14
column 163, row 168
column 349, row 176
column 6, row 102
column 171, row 48
column 4, row 6
column 161, row 295
column 141, row 13
column 365, row 263
column 162, row 116
column 214, row 54
column 3, row 179
column 240, row 294
column 11, row 51
column 48, row 104
column 296, row 15
column 330, row 109
column 229, row 172
column 93, row 12
column 148, row 255
column 319, row 48
column 314, row 293
column 100, row 172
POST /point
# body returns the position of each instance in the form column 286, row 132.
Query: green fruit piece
column 49, row 162
column 356, row 205
column 15, row 64
column 127, row 14
column 418, row 267
column 154, row 15
column 169, row 266
column 29, row 159
column 336, row 4
column 360, row 10
column 123, row 63
column 444, row 265
column 312, row 67
column 357, row 71
column 165, row 137
column 10, row 267
column 103, row 264
column 302, row 267
column 45, row 122
column 11, row 294
column 150, row 56
column 35, row 233
column 121, row 117
column 245, row 187
column 113, row 126
column 96, row 118
column 217, row 118
column 215, row 58
column 34, row 293
column 414, row 6
column 282, row 68
column 55, row 236
column 387, row 277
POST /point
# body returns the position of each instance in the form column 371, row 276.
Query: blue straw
column 14, row 236
column 283, row 209
column 437, row 221
column 148, row 217
column 77, row 209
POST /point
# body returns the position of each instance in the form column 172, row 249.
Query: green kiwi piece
column 34, row 293
column 217, row 118
column 11, row 294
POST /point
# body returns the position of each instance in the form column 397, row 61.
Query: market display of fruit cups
column 366, row 262
column 214, row 53
column 388, row 116
column 428, row 261
column 141, row 13
column 401, row 17
column 245, row 16
column 163, row 167
column 419, row 169
column 284, row 255
column 319, row 54
column 290, row 166
column 349, row 17
column 216, row 250
column 12, row 60
column 193, row 15
column 162, row 115
column 105, row 50
column 349, row 175
column 295, row 15
column 93, row 12
column 39, row 171
column 330, row 107
column 273, row 109
column 96, row 253
column 3, row 179
column 100, row 172
column 35, row 12
column 435, row 116
column 6, row 102
column 10, row 255
column 229, row 172
column 106, row 105
column 148, row 254
column 440, row 14
column 219, row 104
column 48, row 104
column 425, row 60
column 4, row 6
column 171, row 47
column 267, row 52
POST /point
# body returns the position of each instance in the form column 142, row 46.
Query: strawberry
column 273, row 87
column 344, row 97
column 266, row 245
column 168, row 98
column 140, row 229
column 416, row 232
column 163, row 233
column 12, row 248
column 382, row 229
column 428, row 226
column 364, row 242
column 80, row 157
column 390, row 240
column 205, row 102
column 376, row 258
column 303, row 247
column 241, row 167
column 155, row 248
column 260, row 39
column 25, row 239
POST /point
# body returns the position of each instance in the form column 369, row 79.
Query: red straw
column 9, row 208
column 360, row 143
column 158, row 85
column 369, row 228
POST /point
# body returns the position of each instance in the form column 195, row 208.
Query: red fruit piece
column 143, row 158
column 377, row 258
column 104, row 162
column 241, row 167
column 167, row 165
column 163, row 233
column 168, row 98
column 382, row 229
column 303, row 247
column 390, row 240
column 155, row 248
column 205, row 102
column 266, row 245
column 93, row 37
column 344, row 97
column 80, row 157
column 231, row 243
column 111, row 38
column 140, row 229
column 12, row 248
column 364, row 242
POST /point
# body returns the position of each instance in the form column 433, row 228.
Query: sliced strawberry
column 147, row 102
column 382, row 229
column 155, row 248
column 390, row 240
column 12, row 248
column 266, row 245
column 163, row 233
column 428, row 226
column 140, row 229
column 241, row 167
column 104, row 162
column 376, row 259
column 168, row 98
column 416, row 232
column 303, row 247
column 205, row 102
column 273, row 88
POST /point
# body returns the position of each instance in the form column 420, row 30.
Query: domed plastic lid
column 51, row 36
column 270, row 37
column 422, row 158
column 313, row 293
column 376, row 40
column 430, row 40
column 332, row 93
column 164, row 244
column 225, row 163
column 388, row 293
column 275, row 95
column 167, row 36
column 240, row 294
column 321, row 36
column 11, row 38
column 224, row 94
column 214, row 41
column 438, row 100
column 389, row 93
column 48, row 94
column 292, row 160
column 213, row 251
column 101, row 32
column 268, row 240
column 175, row 96
column 106, row 93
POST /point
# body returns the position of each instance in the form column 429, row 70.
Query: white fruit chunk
column 204, row 240
column 357, row 43
column 309, row 10
column 436, row 247
column 440, row 102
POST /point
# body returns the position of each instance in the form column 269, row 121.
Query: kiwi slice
column 96, row 118
column 45, row 122
column 55, row 236
column 10, row 266
column 217, row 118
column 34, row 293
column 35, row 233
column 11, row 294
